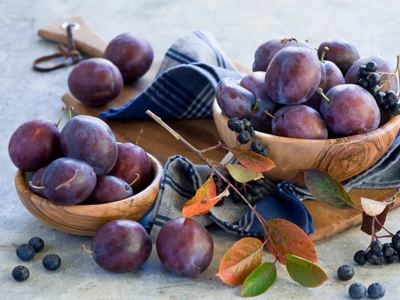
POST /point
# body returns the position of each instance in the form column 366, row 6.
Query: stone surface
column 239, row 26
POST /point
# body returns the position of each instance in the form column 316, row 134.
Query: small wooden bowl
column 85, row 219
column 343, row 157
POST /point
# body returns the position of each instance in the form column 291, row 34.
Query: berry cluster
column 252, row 191
column 378, row 253
column 244, row 132
column 26, row 252
column 368, row 78
column 243, row 129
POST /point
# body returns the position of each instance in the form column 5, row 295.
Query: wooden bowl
column 343, row 157
column 85, row 219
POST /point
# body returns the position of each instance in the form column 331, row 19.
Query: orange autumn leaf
column 252, row 160
column 286, row 237
column 204, row 199
column 240, row 260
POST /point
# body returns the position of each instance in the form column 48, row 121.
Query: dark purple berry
column 244, row 137
column 395, row 109
column 232, row 123
column 392, row 258
column 246, row 124
column 256, row 146
column 239, row 126
column 363, row 82
column 396, row 242
column 345, row 272
column 264, row 152
column 359, row 257
column 376, row 247
column 373, row 79
column 37, row 243
column 251, row 131
column 371, row 257
column 376, row 290
column 20, row 273
column 374, row 90
column 51, row 262
column 25, row 252
column 371, row 66
column 387, row 249
column 357, row 291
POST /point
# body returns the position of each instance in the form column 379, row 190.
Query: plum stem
column 321, row 92
column 36, row 186
column 396, row 71
column 87, row 251
column 136, row 179
column 270, row 115
column 70, row 109
column 255, row 107
column 284, row 41
column 139, row 135
column 60, row 118
column 323, row 53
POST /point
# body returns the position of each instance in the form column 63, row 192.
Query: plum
column 234, row 100
column 91, row 140
column 34, row 144
column 342, row 53
column 184, row 247
column 349, row 110
column 293, row 75
column 95, row 81
column 299, row 121
column 36, row 181
column 109, row 189
column 121, row 246
column 132, row 55
column 383, row 67
column 132, row 161
column 266, row 51
column 68, row 181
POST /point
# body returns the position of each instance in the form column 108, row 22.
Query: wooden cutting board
column 201, row 133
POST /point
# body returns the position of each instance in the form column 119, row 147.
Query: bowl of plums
column 305, row 108
column 78, row 178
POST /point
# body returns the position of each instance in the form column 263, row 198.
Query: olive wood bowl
column 86, row 219
column 343, row 158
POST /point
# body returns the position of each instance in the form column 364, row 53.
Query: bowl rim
column 394, row 121
column 87, row 209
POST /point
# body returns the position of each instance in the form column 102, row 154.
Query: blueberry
column 345, row 272
column 396, row 241
column 244, row 137
column 264, row 151
column 357, row 291
column 376, row 247
column 387, row 249
column 256, row 146
column 20, row 273
column 359, row 257
column 246, row 124
column 371, row 66
column 376, row 290
column 239, row 126
column 232, row 123
column 51, row 262
column 25, row 252
column 37, row 243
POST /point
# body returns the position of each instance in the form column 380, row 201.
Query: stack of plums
column 82, row 163
column 97, row 81
column 299, row 92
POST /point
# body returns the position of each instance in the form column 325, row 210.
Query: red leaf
column 367, row 221
column 204, row 199
column 252, row 160
column 240, row 260
column 287, row 238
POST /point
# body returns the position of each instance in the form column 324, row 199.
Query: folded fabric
column 185, row 84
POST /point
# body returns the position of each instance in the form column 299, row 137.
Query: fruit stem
column 255, row 107
column 321, row 92
column 136, row 179
column 323, row 53
column 86, row 250
column 284, row 41
column 396, row 71
column 36, row 186
column 139, row 135
column 70, row 109
column 270, row 115
column 62, row 114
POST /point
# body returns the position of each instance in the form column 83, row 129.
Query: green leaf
column 305, row 272
column 327, row 189
column 242, row 174
column 259, row 280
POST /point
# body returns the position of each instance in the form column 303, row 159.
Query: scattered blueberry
column 51, row 262
column 20, row 273
column 376, row 290
column 357, row 291
column 37, row 243
column 345, row 272
column 25, row 252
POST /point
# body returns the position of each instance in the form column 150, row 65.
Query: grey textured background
column 239, row 26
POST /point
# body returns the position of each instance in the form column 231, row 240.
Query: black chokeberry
column 363, row 82
column 256, row 146
column 244, row 137
column 380, row 259
column 362, row 71
column 251, row 131
column 25, row 252
column 345, row 272
column 264, row 151
column 51, row 262
column 380, row 98
column 391, row 98
column 246, row 124
column 20, row 273
column 371, row 257
column 374, row 90
column 376, row 247
column 260, row 182
column 395, row 109
column 387, row 249
column 371, row 66
column 359, row 257
column 239, row 126
column 396, row 241
column 373, row 79
column 376, row 290
column 392, row 258
column 255, row 190
column 357, row 291
column 37, row 243
column 232, row 123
